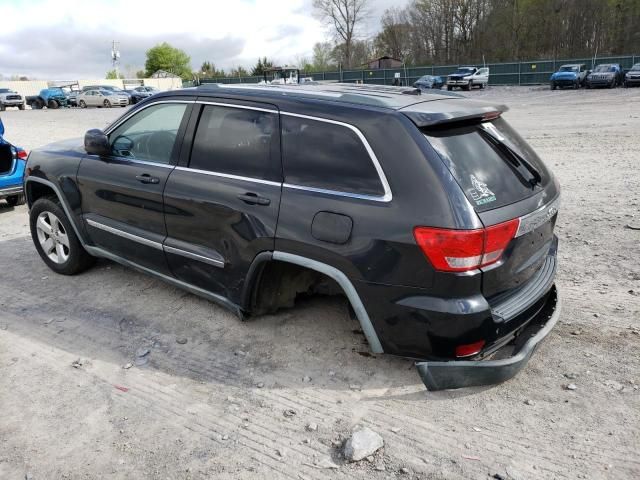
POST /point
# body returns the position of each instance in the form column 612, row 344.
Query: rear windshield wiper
column 522, row 166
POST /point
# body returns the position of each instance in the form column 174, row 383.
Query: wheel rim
column 106, row 103
column 53, row 237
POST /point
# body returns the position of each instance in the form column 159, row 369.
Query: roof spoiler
column 431, row 114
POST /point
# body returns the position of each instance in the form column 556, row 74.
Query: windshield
column 568, row 68
column 604, row 68
column 636, row 67
column 465, row 71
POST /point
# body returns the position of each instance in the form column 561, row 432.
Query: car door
column 121, row 194
column 222, row 201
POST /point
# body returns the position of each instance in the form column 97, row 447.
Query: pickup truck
column 9, row 98
column 468, row 77
column 52, row 97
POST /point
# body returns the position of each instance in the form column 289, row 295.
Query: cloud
column 49, row 39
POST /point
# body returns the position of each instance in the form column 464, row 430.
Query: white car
column 468, row 77
column 102, row 98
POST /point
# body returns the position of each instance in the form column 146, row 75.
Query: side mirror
column 97, row 143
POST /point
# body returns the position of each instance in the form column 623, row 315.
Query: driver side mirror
column 97, row 143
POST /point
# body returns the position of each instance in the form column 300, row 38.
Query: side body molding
column 347, row 287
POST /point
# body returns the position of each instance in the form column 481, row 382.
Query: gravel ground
column 236, row 399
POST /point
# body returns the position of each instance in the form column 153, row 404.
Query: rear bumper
column 438, row 375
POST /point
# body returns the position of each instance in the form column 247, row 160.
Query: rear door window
column 237, row 141
column 327, row 156
column 487, row 176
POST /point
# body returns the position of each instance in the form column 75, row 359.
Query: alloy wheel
column 53, row 237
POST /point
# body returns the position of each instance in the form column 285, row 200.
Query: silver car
column 102, row 98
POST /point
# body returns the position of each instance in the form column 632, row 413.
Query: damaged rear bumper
column 443, row 375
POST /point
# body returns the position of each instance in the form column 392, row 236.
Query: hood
column 459, row 76
column 564, row 76
column 70, row 147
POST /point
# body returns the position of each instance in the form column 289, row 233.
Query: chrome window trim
column 338, row 193
column 233, row 105
column 128, row 236
column 145, row 162
column 230, row 176
column 387, row 197
column 194, row 256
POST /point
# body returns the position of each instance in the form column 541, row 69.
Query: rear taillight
column 470, row 349
column 23, row 154
column 463, row 250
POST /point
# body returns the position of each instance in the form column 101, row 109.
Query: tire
column 576, row 85
column 53, row 104
column 15, row 200
column 37, row 104
column 2, row 107
column 51, row 229
column 107, row 104
column 553, row 86
column 466, row 88
column 482, row 86
column 21, row 107
column 82, row 104
column 449, row 88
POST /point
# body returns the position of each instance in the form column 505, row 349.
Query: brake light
column 463, row 250
column 470, row 349
column 22, row 154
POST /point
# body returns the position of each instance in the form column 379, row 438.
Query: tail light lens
column 470, row 349
column 463, row 250
column 23, row 154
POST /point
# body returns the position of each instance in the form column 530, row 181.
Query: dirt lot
column 220, row 405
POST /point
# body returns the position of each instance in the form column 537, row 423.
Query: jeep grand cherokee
column 427, row 211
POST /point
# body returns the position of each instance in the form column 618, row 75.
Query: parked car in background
column 102, row 98
column 12, row 165
column 142, row 92
column 110, row 88
column 52, row 97
column 632, row 77
column 9, row 98
column 572, row 75
column 468, row 77
column 430, row 214
column 427, row 82
column 605, row 75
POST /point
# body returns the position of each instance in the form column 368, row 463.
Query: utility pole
column 115, row 56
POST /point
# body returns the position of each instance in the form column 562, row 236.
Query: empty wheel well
column 278, row 284
column 37, row 190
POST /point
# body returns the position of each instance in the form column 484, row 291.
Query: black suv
column 427, row 211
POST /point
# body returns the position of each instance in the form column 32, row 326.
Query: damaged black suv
column 427, row 211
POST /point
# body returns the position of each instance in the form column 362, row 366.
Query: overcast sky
column 71, row 39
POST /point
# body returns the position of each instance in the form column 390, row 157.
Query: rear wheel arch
column 299, row 274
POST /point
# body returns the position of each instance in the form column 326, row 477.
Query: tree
column 345, row 16
column 141, row 74
column 170, row 59
column 209, row 70
column 111, row 75
column 262, row 65
column 238, row 72
column 395, row 37
column 322, row 56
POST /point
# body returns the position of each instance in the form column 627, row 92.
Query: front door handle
column 254, row 199
column 146, row 178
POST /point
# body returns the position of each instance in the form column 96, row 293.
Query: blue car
column 428, row 82
column 12, row 162
column 571, row 75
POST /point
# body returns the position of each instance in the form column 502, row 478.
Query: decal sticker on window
column 480, row 192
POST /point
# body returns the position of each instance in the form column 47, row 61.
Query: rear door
column 222, row 201
column 121, row 194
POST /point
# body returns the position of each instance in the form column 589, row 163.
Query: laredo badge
column 480, row 192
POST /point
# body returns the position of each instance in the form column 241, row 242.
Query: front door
column 122, row 193
column 222, row 202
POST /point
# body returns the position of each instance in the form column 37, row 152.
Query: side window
column 237, row 141
column 328, row 156
column 150, row 134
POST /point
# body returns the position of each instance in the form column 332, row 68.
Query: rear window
column 486, row 174
column 328, row 156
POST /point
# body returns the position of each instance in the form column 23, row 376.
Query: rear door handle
column 254, row 199
column 146, row 178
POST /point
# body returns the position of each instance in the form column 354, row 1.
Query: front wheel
column 54, row 238
column 2, row 107
column 107, row 104
column 15, row 200
column 21, row 107
column 553, row 86
column 82, row 104
column 53, row 104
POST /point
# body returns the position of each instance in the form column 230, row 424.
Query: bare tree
column 345, row 16
column 394, row 39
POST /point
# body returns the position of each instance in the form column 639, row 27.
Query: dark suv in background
column 428, row 212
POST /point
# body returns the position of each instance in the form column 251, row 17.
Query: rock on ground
column 362, row 443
